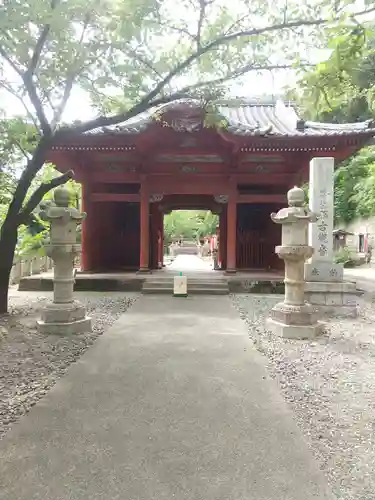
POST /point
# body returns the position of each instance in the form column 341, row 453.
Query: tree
column 190, row 224
column 342, row 88
column 350, row 178
column 360, row 201
column 142, row 53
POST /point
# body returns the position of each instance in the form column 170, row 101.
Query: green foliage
column 355, row 187
column 189, row 224
column 345, row 257
column 32, row 233
column 342, row 88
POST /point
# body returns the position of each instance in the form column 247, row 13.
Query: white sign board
column 180, row 286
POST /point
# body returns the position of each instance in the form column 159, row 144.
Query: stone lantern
column 65, row 315
column 294, row 318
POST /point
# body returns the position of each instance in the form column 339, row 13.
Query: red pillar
column 144, row 257
column 86, row 261
column 162, row 237
column 221, row 240
column 232, row 231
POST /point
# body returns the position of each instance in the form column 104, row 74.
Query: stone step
column 189, row 282
column 196, row 287
column 191, row 291
column 190, row 285
column 186, row 251
column 164, row 285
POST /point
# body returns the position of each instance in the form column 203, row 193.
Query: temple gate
column 167, row 158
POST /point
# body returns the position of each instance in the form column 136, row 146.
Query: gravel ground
column 30, row 362
column 330, row 384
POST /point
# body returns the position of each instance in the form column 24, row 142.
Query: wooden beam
column 262, row 198
column 115, row 197
column 259, row 178
column 188, row 185
column 115, row 177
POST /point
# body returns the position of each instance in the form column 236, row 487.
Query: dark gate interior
column 257, row 237
column 116, row 243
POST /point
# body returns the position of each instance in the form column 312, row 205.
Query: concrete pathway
column 172, row 402
column 190, row 264
column 363, row 276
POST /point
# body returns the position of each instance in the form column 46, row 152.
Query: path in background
column 190, row 264
column 363, row 276
column 172, row 402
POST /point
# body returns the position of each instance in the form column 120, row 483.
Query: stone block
column 325, row 287
column 316, row 298
column 301, row 332
column 293, row 315
column 349, row 299
column 333, row 299
column 64, row 319
column 63, row 313
column 338, row 311
column 324, row 271
column 80, row 326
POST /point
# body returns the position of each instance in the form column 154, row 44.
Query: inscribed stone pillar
column 321, row 266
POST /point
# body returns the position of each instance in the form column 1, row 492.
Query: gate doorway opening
column 191, row 240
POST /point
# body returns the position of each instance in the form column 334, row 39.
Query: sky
column 252, row 85
column 249, row 86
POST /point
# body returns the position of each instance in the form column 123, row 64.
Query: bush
column 345, row 257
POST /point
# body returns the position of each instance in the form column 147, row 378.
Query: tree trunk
column 7, row 248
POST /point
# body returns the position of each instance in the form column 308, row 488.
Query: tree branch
column 178, row 29
column 18, row 96
column 34, row 61
column 146, row 63
column 37, row 103
column 202, row 12
column 70, row 79
column 149, row 100
column 235, row 74
column 41, row 191
column 12, row 64
column 21, row 148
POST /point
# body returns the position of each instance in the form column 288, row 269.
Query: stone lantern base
column 294, row 322
column 64, row 319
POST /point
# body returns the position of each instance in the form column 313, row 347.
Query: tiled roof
column 244, row 118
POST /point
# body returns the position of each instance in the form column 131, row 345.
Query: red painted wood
column 175, row 168
column 106, row 177
column 257, row 237
column 231, row 230
column 144, row 256
column 261, row 198
column 103, row 197
column 85, row 232
column 154, row 236
column 223, row 237
column 162, row 237
column 117, row 241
